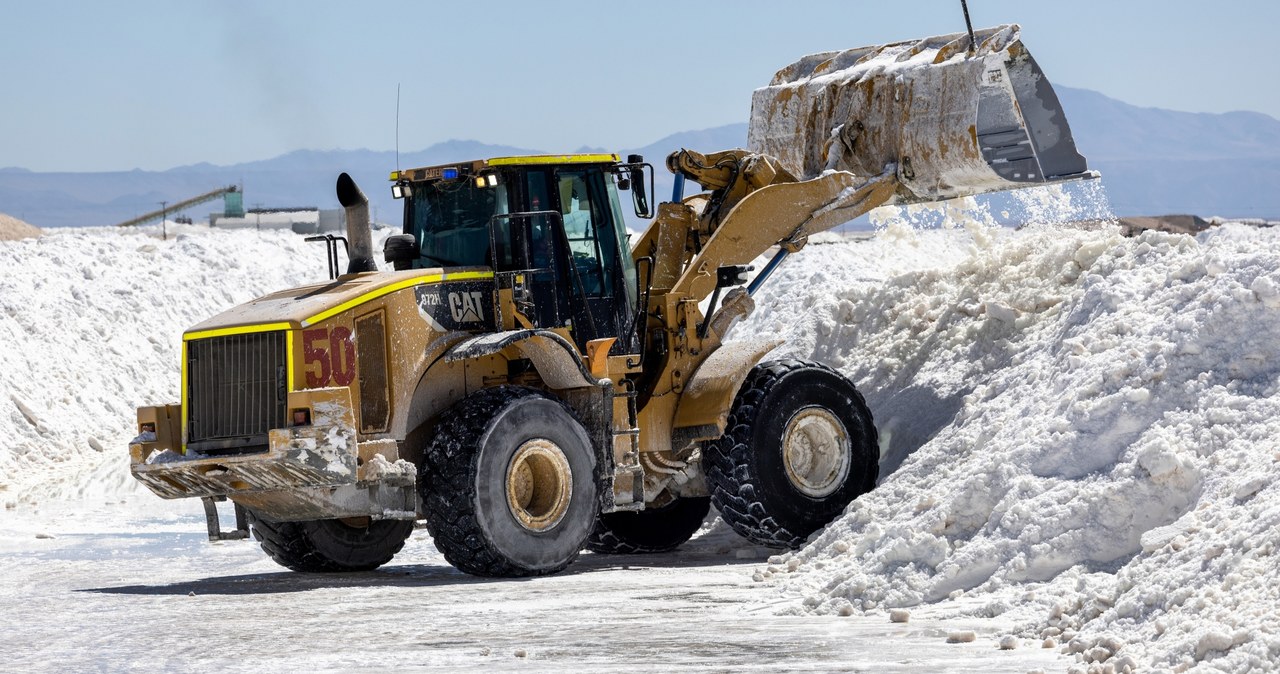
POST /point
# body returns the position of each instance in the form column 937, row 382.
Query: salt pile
column 13, row 229
column 1080, row 434
column 91, row 321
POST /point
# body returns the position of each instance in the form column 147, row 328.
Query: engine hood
column 303, row 306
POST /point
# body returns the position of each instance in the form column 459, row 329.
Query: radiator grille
column 236, row 391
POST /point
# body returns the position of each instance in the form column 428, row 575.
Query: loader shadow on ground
column 405, row 576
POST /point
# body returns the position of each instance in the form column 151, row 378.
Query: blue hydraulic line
column 677, row 190
column 764, row 273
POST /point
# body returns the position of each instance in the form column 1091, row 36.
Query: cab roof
column 468, row 168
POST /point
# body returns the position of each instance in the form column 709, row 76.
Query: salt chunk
column 1158, row 460
column 1089, row 252
column 1000, row 312
column 1252, row 486
column 1137, row 395
column 1008, row 642
column 1158, row 537
column 1212, row 640
column 961, row 637
column 1266, row 291
column 1124, row 664
column 899, row 615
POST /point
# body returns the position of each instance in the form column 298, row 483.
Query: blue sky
column 93, row 86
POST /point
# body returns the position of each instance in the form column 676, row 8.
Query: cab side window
column 579, row 203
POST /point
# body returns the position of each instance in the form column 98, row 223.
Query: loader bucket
column 952, row 122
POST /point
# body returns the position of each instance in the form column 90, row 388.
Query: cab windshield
column 450, row 220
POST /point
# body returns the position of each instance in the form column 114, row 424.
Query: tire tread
column 731, row 477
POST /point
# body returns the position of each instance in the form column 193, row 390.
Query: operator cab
column 551, row 228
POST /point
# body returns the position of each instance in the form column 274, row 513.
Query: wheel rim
column 539, row 485
column 816, row 452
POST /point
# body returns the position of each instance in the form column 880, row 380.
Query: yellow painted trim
column 239, row 330
column 288, row 361
column 183, row 398
column 386, row 290
column 555, row 159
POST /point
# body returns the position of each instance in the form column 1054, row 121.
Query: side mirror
column 400, row 250
column 635, row 176
column 639, row 198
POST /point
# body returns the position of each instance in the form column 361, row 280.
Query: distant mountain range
column 1153, row 161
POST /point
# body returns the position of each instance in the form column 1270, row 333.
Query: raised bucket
column 948, row 120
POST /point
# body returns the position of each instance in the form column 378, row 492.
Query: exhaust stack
column 358, row 233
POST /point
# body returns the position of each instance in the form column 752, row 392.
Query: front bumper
column 310, row 472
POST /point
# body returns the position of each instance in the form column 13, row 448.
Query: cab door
column 594, row 260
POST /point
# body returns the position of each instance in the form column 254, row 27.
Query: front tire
column 330, row 546
column 508, row 484
column 799, row 447
column 651, row 530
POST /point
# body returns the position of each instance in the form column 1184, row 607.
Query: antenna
column 398, row 123
column 964, row 4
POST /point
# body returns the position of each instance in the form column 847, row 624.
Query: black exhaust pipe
column 358, row 233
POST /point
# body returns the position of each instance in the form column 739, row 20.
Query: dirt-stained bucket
column 947, row 119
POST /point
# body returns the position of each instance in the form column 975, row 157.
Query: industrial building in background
column 303, row 220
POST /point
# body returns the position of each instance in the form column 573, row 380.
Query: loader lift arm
column 698, row 247
column 832, row 137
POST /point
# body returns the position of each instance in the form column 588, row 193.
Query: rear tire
column 330, row 546
column 799, row 447
column 649, row 531
column 508, row 484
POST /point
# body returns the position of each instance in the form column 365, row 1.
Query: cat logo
column 466, row 307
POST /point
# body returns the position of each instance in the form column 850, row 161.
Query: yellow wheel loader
column 530, row 383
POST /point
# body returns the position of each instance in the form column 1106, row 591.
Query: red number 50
column 337, row 362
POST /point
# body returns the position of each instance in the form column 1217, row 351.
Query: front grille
column 236, row 391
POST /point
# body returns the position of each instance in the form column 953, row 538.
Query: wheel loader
column 529, row 381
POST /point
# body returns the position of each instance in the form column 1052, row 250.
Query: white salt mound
column 13, row 229
column 1080, row 434
column 92, row 321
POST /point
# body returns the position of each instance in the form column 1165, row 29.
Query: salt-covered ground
column 1079, row 450
column 135, row 586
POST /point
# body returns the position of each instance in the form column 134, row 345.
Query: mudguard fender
column 555, row 357
column 703, row 409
